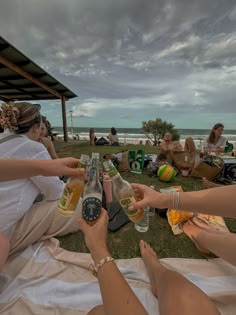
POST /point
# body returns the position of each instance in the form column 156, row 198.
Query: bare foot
column 152, row 264
column 207, row 227
column 207, row 184
column 192, row 231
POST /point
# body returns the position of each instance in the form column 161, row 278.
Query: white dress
column 221, row 143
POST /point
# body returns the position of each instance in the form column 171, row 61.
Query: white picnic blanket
column 46, row 279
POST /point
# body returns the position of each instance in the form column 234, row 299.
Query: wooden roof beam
column 12, row 86
column 19, row 64
column 18, row 77
column 19, row 86
column 29, row 77
column 4, row 46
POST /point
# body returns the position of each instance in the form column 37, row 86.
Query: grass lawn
column 124, row 242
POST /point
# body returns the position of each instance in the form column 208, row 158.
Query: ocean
column 135, row 135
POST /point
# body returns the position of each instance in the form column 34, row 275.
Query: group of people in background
column 214, row 144
column 112, row 138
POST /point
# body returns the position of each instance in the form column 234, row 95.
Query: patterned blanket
column 46, row 279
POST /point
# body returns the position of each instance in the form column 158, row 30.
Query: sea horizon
column 133, row 135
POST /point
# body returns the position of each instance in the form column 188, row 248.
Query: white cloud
column 143, row 65
column 180, row 46
column 87, row 109
column 221, row 49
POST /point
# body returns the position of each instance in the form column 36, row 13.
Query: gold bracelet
column 96, row 268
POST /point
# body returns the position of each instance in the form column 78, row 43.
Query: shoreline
column 135, row 139
column 125, row 139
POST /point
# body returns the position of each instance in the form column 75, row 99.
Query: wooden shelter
column 22, row 79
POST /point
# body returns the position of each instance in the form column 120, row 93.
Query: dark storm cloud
column 162, row 54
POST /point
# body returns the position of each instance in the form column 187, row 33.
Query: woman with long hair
column 216, row 142
column 24, row 221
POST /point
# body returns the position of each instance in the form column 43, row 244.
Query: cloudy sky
column 132, row 60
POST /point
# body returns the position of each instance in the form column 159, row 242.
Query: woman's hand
column 148, row 198
column 96, row 236
column 61, row 167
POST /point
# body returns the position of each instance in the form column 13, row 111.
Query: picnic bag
column 209, row 167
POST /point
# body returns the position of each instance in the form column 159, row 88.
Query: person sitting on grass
column 170, row 287
column 113, row 138
column 45, row 140
column 118, row 298
column 13, row 169
column 92, row 137
column 23, row 221
column 167, row 147
column 216, row 142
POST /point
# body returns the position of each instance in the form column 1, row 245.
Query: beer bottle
column 92, row 195
column 123, row 191
column 73, row 191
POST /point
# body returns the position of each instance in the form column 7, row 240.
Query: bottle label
column 70, row 196
column 92, row 205
column 65, row 198
column 81, row 164
column 134, row 215
column 113, row 173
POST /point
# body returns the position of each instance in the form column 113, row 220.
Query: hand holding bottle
column 124, row 192
column 61, row 167
column 148, row 198
column 73, row 190
column 92, row 195
column 96, row 236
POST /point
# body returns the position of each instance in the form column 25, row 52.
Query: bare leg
column 204, row 226
column 176, row 295
column 97, row 310
column 221, row 244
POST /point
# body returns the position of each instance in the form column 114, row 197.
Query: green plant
column 155, row 130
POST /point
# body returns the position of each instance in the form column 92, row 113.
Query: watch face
column 91, row 208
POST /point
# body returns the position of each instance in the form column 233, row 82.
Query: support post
column 63, row 107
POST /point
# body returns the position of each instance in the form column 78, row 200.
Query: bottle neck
column 93, row 174
column 117, row 179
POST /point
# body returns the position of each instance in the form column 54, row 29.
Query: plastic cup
column 143, row 225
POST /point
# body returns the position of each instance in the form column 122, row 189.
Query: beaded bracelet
column 96, row 268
